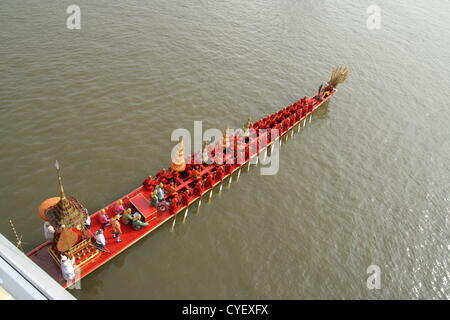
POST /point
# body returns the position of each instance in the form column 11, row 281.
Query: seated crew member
column 174, row 204
column 137, row 224
column 103, row 219
column 149, row 183
column 177, row 178
column 162, row 176
column 209, row 181
column 154, row 198
column 229, row 168
column 169, row 174
column 172, row 189
column 127, row 217
column 198, row 188
column 196, row 173
column 185, row 195
column 303, row 100
column 160, row 192
column 119, row 208
column 298, row 114
column 219, row 173
column 161, row 173
column 187, row 171
column 136, row 215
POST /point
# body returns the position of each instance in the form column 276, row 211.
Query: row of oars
column 290, row 132
column 264, row 151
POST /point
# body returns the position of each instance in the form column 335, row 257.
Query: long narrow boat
column 287, row 120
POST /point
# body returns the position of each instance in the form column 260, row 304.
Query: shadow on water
column 119, row 261
column 322, row 111
column 94, row 288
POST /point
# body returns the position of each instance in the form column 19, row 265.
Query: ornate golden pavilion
column 68, row 218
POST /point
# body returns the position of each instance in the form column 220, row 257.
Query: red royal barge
column 190, row 182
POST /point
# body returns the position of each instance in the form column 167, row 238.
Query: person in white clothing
column 49, row 232
column 100, row 239
column 67, row 269
column 87, row 223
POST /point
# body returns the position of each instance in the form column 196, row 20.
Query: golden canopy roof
column 67, row 213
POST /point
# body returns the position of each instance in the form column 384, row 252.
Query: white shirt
column 88, row 220
column 67, row 269
column 100, row 239
column 49, row 232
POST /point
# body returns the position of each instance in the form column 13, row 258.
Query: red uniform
column 149, row 184
column 198, row 189
column 172, row 189
column 174, row 204
column 219, row 173
column 196, row 174
column 161, row 173
column 228, row 168
column 185, row 197
column 209, row 181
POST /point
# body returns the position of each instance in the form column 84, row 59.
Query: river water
column 366, row 183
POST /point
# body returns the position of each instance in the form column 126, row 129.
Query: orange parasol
column 45, row 205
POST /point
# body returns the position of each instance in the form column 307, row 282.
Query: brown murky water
column 366, row 183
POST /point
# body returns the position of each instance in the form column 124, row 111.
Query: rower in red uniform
column 198, row 188
column 228, row 168
column 169, row 174
column 172, row 189
column 177, row 178
column 303, row 101
column 209, row 181
column 149, row 184
column 219, row 173
column 188, row 170
column 161, row 173
column 196, row 173
column 174, row 204
column 185, row 196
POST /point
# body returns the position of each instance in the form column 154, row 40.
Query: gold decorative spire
column 61, row 188
column 63, row 204
column 178, row 163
